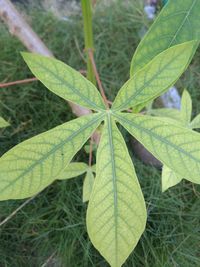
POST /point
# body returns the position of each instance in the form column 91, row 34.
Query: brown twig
column 91, row 56
column 90, row 155
column 18, row 82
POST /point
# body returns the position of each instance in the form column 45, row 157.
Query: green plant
column 35, row 163
column 181, row 117
column 77, row 168
column 3, row 123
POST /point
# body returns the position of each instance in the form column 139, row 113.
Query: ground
column 52, row 226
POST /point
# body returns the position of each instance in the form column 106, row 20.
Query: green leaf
column 195, row 124
column 155, row 78
column 94, row 168
column 177, row 23
column 74, row 169
column 186, row 107
column 169, row 178
column 64, row 81
column 116, row 214
column 32, row 165
column 3, row 123
column 88, row 185
column 175, row 146
column 171, row 113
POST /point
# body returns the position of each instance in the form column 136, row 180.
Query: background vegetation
column 51, row 230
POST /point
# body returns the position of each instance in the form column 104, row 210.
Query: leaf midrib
column 114, row 181
column 53, row 150
column 181, row 26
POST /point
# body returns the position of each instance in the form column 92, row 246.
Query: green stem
column 88, row 36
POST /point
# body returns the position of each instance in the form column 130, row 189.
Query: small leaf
column 88, row 185
column 3, row 123
column 177, row 23
column 74, row 169
column 94, row 168
column 34, row 164
column 171, row 113
column 64, row 81
column 195, row 124
column 186, row 107
column 155, row 78
column 175, row 146
column 116, row 214
column 169, row 178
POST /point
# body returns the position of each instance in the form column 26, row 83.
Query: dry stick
column 15, row 211
column 91, row 56
column 90, row 155
column 18, row 82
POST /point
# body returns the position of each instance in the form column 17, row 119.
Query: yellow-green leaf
column 178, row 22
column 3, row 123
column 64, row 81
column 155, row 78
column 175, row 146
column 116, row 214
column 74, row 169
column 195, row 124
column 186, row 107
column 169, row 178
column 32, row 165
column 88, row 185
column 171, row 113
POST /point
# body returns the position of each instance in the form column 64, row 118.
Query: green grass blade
column 169, row 178
column 32, row 165
column 177, row 23
column 64, row 81
column 116, row 214
column 74, row 169
column 195, row 124
column 155, row 78
column 3, row 123
column 176, row 147
column 88, row 185
column 186, row 107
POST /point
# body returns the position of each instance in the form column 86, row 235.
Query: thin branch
column 18, row 82
column 15, row 211
column 91, row 56
column 90, row 155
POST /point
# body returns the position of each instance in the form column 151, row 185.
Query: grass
column 50, row 230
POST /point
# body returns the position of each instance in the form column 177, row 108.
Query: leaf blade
column 169, row 178
column 116, row 214
column 74, row 169
column 175, row 146
column 3, row 123
column 35, row 163
column 64, row 81
column 186, row 107
column 88, row 185
column 177, row 23
column 195, row 124
column 155, row 78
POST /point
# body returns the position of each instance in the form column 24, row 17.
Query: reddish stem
column 18, row 82
column 91, row 56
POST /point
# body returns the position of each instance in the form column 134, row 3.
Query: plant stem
column 88, row 36
column 91, row 57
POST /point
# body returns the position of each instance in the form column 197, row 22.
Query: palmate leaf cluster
column 116, row 214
